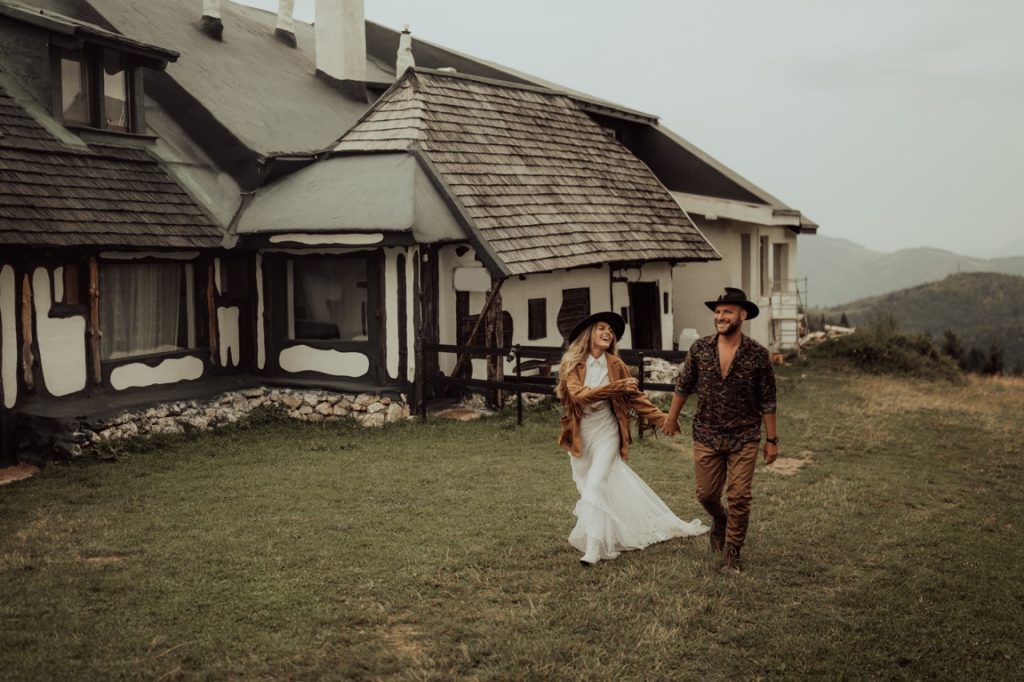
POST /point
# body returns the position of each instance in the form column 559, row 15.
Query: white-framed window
column 328, row 299
column 146, row 308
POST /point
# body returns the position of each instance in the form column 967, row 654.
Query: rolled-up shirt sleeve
column 766, row 387
column 686, row 382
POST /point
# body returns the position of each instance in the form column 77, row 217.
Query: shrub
column 881, row 348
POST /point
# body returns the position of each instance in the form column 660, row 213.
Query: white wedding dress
column 616, row 508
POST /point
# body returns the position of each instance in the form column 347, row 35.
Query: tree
column 995, row 361
column 952, row 347
column 974, row 361
column 844, row 321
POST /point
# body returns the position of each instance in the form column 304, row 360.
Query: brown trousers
column 714, row 468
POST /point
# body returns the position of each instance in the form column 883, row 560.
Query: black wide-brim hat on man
column 734, row 296
column 613, row 320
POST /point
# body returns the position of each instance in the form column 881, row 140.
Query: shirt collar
column 601, row 361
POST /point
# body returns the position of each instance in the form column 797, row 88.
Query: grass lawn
column 437, row 551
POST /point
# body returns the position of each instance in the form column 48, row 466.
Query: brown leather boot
column 717, row 534
column 731, row 562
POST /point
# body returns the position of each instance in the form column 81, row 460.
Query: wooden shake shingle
column 544, row 185
column 52, row 194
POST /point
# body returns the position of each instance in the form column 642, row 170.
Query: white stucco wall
column 694, row 283
column 659, row 273
column 515, row 295
column 230, row 343
column 391, row 331
column 169, row 371
column 302, row 358
column 8, row 335
column 61, row 341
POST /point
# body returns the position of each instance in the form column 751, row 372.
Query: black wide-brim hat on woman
column 734, row 296
column 614, row 321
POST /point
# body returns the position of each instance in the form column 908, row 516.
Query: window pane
column 74, row 84
column 115, row 92
column 145, row 309
column 537, row 317
column 329, row 299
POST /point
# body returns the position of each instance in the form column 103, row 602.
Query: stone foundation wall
column 42, row 440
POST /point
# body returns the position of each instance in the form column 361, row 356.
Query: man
column 735, row 385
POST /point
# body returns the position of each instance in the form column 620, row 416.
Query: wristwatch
column 773, row 441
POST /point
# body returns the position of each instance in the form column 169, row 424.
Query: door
column 645, row 315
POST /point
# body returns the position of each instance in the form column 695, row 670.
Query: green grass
column 289, row 551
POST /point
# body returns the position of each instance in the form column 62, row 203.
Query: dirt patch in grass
column 788, row 466
column 18, row 472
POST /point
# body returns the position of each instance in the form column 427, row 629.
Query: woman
column 616, row 511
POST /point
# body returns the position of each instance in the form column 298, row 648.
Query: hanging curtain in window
column 142, row 309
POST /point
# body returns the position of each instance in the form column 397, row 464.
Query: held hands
column 771, row 452
column 670, row 427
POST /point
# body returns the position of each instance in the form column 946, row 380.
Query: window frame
column 92, row 59
column 371, row 321
column 196, row 306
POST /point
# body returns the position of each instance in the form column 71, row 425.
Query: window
column 96, row 89
column 779, row 274
column 764, row 265
column 71, row 288
column 146, row 308
column 76, row 105
column 537, row 316
column 745, row 253
column 327, row 299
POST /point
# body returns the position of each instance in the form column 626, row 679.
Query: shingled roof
column 539, row 182
column 52, row 194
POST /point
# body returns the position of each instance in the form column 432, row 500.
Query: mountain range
column 839, row 271
column 981, row 308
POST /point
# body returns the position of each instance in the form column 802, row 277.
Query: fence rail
column 521, row 383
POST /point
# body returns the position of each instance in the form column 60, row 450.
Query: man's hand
column 771, row 452
column 670, row 427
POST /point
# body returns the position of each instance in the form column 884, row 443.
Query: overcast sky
column 892, row 124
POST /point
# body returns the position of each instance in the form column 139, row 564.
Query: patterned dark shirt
column 729, row 410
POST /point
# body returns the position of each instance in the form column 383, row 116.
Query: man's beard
column 732, row 328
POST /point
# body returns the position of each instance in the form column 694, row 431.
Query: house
column 273, row 203
column 85, row 206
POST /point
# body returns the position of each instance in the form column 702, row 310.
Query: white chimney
column 341, row 39
column 405, row 58
column 285, row 29
column 209, row 22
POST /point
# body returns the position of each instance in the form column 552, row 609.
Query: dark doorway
column 645, row 315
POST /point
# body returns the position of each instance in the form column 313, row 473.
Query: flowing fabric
column 616, row 507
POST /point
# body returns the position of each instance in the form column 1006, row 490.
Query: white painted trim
column 138, row 255
column 303, row 358
column 169, row 371
column 58, row 284
column 216, row 276
column 316, row 252
column 328, row 239
column 227, row 323
column 61, row 341
column 392, row 333
column 261, row 340
column 411, row 262
column 9, row 338
column 715, row 208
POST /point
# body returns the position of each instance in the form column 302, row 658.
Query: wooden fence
column 532, row 373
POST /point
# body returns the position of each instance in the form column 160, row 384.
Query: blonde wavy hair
column 576, row 354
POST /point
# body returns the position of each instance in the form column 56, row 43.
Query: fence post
column 519, row 386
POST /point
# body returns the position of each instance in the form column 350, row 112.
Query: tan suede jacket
column 578, row 397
